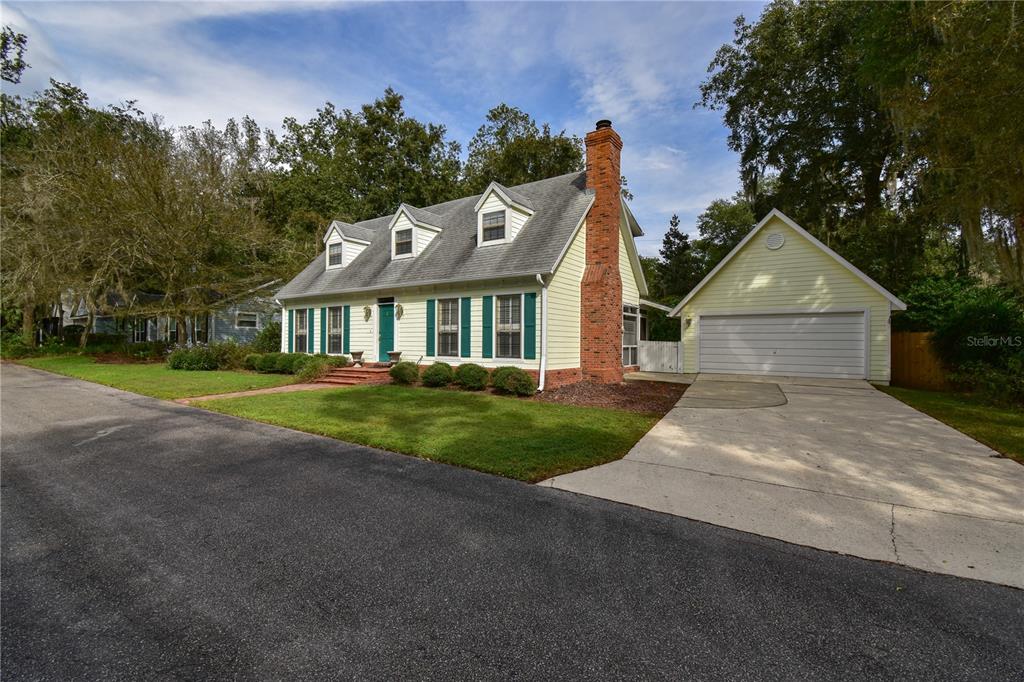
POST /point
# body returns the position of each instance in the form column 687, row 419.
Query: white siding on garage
column 822, row 345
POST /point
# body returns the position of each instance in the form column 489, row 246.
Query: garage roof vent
column 775, row 241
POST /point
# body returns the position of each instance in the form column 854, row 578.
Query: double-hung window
column 246, row 320
column 334, row 254
column 300, row 331
column 629, row 335
column 509, row 326
column 403, row 242
column 140, row 330
column 334, row 330
column 494, row 226
column 448, row 327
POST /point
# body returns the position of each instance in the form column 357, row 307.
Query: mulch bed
column 634, row 396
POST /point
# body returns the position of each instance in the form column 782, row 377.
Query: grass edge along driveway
column 155, row 379
column 522, row 439
column 1000, row 428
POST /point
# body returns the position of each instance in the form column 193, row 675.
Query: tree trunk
column 970, row 224
column 28, row 325
column 89, row 321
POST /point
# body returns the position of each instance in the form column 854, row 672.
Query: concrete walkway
column 840, row 466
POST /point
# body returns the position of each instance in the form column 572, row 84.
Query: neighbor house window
column 139, row 329
column 448, row 327
column 246, row 320
column 334, row 254
column 334, row 330
column 494, row 226
column 509, row 326
column 403, row 242
column 300, row 331
column 629, row 335
column 172, row 330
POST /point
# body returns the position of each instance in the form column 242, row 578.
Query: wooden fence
column 661, row 356
column 915, row 364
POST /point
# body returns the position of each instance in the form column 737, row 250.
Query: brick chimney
column 601, row 289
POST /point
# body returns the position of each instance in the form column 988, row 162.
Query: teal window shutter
column 530, row 326
column 323, row 330
column 309, row 330
column 464, row 324
column 291, row 331
column 488, row 329
column 346, row 347
column 431, row 314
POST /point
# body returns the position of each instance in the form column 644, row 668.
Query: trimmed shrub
column 499, row 375
column 268, row 340
column 148, row 350
column 197, row 358
column 438, row 374
column 404, row 373
column 513, row 380
column 72, row 334
column 520, row 383
column 471, row 377
column 251, row 361
column 334, row 360
column 267, row 363
column 311, row 367
column 229, row 354
column 288, row 363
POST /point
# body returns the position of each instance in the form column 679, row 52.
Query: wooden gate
column 661, row 356
column 915, row 364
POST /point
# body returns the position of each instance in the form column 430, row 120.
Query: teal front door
column 386, row 332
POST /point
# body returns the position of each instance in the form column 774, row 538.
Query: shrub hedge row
column 469, row 376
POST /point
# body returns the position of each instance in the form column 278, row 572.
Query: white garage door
column 811, row 345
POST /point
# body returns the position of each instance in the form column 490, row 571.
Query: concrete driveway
column 832, row 464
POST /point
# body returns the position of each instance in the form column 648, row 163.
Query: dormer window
column 494, row 226
column 334, row 255
column 403, row 242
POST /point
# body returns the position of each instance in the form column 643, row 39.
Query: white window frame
column 494, row 340
column 458, row 330
column 239, row 313
column 340, row 243
column 140, row 324
column 504, row 238
column 301, row 319
column 340, row 333
column 631, row 311
column 412, row 242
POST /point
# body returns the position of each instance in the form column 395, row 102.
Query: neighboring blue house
column 239, row 320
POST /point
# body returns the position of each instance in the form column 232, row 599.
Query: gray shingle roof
column 560, row 204
column 353, row 231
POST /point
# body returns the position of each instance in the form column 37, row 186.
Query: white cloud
column 150, row 53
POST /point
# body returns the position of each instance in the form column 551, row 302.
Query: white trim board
column 776, row 213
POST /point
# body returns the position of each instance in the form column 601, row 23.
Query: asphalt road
column 144, row 539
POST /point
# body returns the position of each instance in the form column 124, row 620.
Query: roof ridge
column 432, row 208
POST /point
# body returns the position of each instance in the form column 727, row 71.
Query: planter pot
column 394, row 356
column 357, row 358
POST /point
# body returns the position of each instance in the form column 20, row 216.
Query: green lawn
column 155, row 379
column 521, row 439
column 1002, row 429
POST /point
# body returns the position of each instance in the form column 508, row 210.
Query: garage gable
column 781, row 265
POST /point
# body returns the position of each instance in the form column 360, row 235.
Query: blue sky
column 639, row 64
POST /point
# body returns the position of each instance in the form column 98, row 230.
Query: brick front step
column 352, row 376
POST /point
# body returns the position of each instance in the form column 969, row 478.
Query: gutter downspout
column 543, row 332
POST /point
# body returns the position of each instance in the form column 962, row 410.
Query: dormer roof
column 356, row 233
column 421, row 217
column 509, row 196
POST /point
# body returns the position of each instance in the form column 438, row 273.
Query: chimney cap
column 603, row 123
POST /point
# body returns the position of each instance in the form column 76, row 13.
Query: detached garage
column 783, row 303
